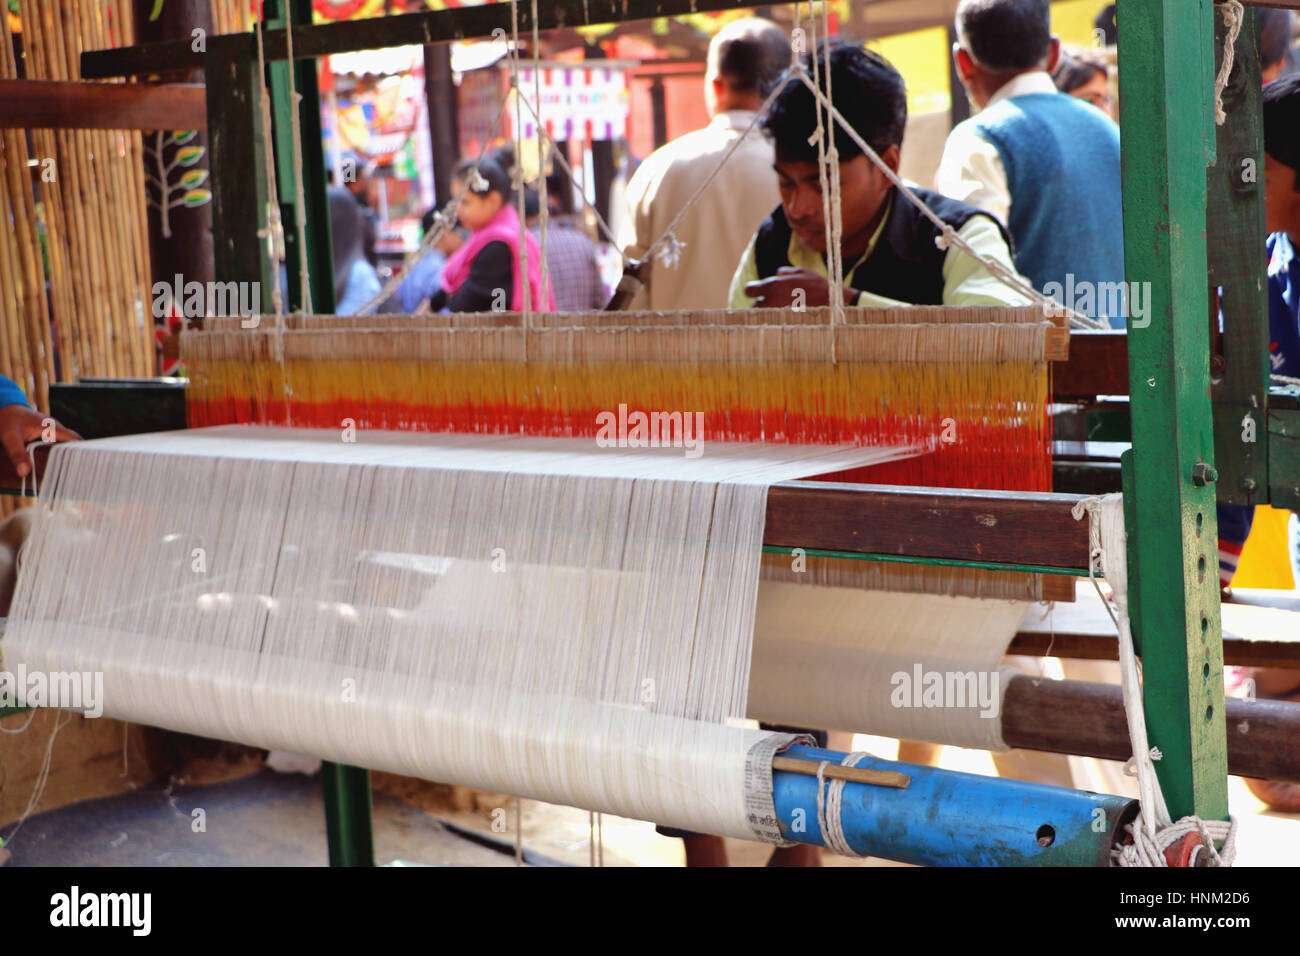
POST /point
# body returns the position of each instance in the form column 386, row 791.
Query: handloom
column 1167, row 369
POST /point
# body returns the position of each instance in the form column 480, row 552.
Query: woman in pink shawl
column 482, row 275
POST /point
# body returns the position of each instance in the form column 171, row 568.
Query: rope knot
column 1149, row 850
column 670, row 253
column 945, row 238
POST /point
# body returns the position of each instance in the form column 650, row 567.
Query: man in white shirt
column 746, row 58
column 1044, row 163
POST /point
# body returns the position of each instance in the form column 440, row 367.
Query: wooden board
column 1097, row 365
column 56, row 104
column 1000, row 527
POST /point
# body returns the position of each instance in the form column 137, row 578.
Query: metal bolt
column 1203, row 474
column 1248, row 485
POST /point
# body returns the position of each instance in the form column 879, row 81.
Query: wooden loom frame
column 1166, row 74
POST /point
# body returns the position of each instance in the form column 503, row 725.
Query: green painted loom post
column 1166, row 70
column 316, row 220
column 348, row 802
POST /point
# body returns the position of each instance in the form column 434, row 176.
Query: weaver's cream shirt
column 717, row 228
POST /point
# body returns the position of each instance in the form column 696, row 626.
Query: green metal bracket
column 1235, row 228
column 1166, row 76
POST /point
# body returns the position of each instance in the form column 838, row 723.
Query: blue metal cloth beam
column 945, row 818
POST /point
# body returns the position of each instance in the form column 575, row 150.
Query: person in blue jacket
column 1282, row 222
column 20, row 424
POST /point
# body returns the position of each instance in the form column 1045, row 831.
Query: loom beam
column 1087, row 719
column 945, row 818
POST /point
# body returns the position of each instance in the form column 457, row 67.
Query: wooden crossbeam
column 1077, row 717
column 60, row 104
column 465, row 23
column 996, row 527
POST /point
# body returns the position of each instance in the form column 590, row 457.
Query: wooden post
column 1166, row 68
column 444, row 117
column 238, row 169
column 187, row 249
column 1235, row 225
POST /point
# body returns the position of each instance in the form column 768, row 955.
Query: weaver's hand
column 779, row 291
column 19, row 425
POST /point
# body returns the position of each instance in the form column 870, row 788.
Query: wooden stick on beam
column 878, row 778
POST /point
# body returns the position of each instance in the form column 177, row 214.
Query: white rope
column 526, row 307
column 273, row 231
column 836, row 196
column 1233, row 16
column 1285, row 380
column 949, row 236
column 830, row 817
column 299, row 195
column 564, row 163
column 1144, row 851
column 1153, row 830
column 695, row 197
column 543, row 198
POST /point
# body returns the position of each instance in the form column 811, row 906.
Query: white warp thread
column 540, row 617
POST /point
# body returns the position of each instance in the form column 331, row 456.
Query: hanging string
column 555, row 151
column 1153, row 830
column 527, row 305
column 1234, row 14
column 668, row 237
column 832, row 273
column 836, row 210
column 299, row 194
column 42, row 776
column 273, row 232
column 543, row 197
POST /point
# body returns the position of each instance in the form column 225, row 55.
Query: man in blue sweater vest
column 1044, row 163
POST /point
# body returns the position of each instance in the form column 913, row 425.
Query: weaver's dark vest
column 905, row 265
